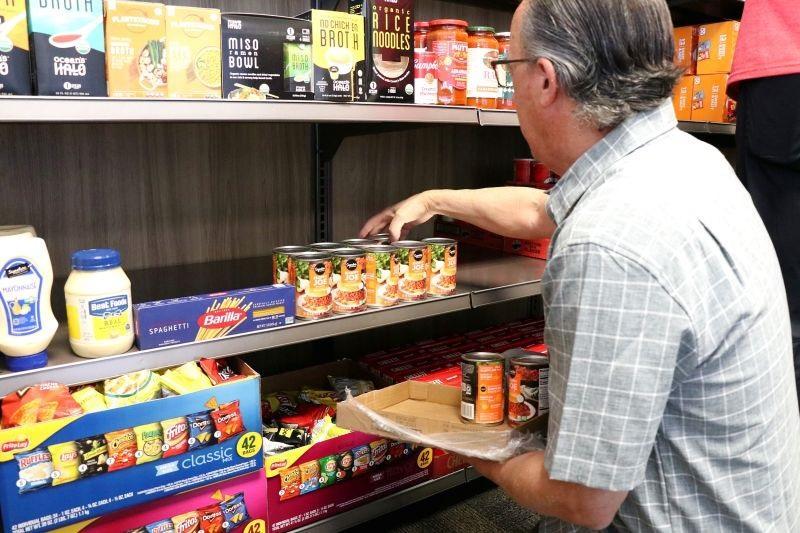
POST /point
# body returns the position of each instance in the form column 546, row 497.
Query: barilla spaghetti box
column 682, row 98
column 686, row 48
column 709, row 101
column 715, row 46
column 15, row 70
column 78, row 468
column 240, row 501
column 212, row 316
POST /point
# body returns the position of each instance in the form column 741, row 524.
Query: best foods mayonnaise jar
column 27, row 323
column 98, row 295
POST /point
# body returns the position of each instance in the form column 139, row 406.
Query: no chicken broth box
column 212, row 316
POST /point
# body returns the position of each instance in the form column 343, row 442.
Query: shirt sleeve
column 615, row 336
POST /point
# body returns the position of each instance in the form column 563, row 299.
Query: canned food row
column 355, row 274
column 485, row 386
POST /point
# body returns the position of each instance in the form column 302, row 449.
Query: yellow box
column 715, row 46
column 136, row 62
column 686, row 49
column 194, row 68
column 682, row 98
column 709, row 101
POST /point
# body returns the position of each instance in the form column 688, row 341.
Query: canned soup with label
column 313, row 286
column 382, row 272
column 349, row 292
column 443, row 255
column 283, row 270
column 412, row 257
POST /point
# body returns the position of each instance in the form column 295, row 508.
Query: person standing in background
column 765, row 80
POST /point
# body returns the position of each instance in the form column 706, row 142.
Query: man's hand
column 400, row 218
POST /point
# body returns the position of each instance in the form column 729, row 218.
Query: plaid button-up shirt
column 671, row 357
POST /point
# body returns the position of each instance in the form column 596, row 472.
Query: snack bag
column 278, row 404
column 211, row 519
column 90, row 399
column 344, row 466
column 327, row 471
column 277, row 440
column 356, row 386
column 187, row 522
column 149, row 442
column 93, row 453
column 162, row 526
column 235, row 511
column 133, row 388
column 176, row 436
column 40, row 403
column 35, row 470
column 228, row 421
column 397, row 450
column 219, row 370
column 66, row 462
column 378, row 451
column 121, row 449
column 201, row 430
column 309, row 477
column 290, row 483
column 185, row 379
column 361, row 458
column 306, row 416
column 319, row 397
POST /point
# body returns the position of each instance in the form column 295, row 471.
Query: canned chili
column 528, row 397
column 443, row 265
column 412, row 256
column 313, row 285
column 483, row 398
column 283, row 270
column 349, row 293
column 381, row 276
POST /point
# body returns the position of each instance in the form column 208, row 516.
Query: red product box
column 448, row 376
column 423, row 372
column 467, row 233
column 536, row 249
column 538, row 348
column 445, row 463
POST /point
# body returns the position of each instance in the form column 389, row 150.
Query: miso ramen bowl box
column 338, row 50
column 266, row 57
column 68, row 47
column 15, row 71
column 136, row 49
column 63, row 471
column 194, row 67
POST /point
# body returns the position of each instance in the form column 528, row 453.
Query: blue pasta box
column 212, row 316
column 75, row 469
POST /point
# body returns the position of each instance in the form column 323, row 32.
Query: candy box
column 715, row 46
column 80, row 467
column 710, row 103
column 682, row 98
column 686, row 48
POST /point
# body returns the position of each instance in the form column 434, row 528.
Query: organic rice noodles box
column 136, row 56
column 194, row 68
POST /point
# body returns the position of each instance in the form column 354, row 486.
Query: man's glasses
column 503, row 72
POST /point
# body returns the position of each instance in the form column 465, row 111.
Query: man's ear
column 545, row 74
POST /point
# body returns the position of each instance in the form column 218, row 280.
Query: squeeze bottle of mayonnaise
column 27, row 323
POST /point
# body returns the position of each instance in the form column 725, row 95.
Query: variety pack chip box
column 88, row 497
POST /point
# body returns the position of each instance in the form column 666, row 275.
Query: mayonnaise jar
column 27, row 323
column 99, row 311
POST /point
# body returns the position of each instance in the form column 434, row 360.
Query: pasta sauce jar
column 505, row 95
column 448, row 40
column 481, row 80
column 421, row 30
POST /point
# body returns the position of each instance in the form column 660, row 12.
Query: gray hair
column 613, row 57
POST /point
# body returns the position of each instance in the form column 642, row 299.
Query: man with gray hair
column 673, row 402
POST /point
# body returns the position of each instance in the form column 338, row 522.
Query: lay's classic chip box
column 212, row 316
column 68, row 470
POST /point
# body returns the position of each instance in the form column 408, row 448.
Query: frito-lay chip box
column 90, row 484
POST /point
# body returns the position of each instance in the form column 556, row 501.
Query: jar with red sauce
column 448, row 39
column 421, row 30
column 481, row 80
column 505, row 95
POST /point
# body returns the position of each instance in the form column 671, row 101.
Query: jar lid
column 449, row 22
column 26, row 362
column 96, row 259
column 504, row 35
column 421, row 25
column 482, row 29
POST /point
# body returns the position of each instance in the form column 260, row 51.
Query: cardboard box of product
column 266, row 57
column 339, row 54
column 15, row 68
column 242, row 502
column 99, row 467
column 715, row 46
column 194, row 67
column 389, row 32
column 686, row 48
column 709, row 101
column 536, row 249
column 682, row 98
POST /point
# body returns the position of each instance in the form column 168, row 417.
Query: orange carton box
column 686, row 48
column 709, row 101
column 194, row 68
column 682, row 98
column 536, row 248
column 715, row 46
column 136, row 58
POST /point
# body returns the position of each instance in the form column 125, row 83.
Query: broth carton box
column 68, row 46
column 193, row 56
column 709, row 101
column 686, row 49
column 69, row 470
column 266, row 56
column 389, row 30
column 715, row 46
column 15, row 71
column 339, row 58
